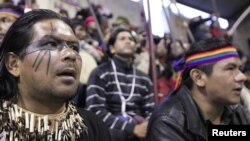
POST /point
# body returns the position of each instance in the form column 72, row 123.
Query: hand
column 140, row 130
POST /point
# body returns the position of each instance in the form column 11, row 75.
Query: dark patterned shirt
column 104, row 97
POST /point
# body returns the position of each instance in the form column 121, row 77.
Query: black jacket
column 97, row 130
column 178, row 119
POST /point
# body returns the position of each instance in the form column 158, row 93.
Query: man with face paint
column 39, row 74
column 121, row 95
column 208, row 93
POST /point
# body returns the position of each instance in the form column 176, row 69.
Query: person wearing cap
column 122, row 22
column 91, row 27
column 8, row 15
column 208, row 93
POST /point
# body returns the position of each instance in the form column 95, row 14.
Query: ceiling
column 228, row 9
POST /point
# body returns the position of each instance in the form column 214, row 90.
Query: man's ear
column 198, row 77
column 12, row 63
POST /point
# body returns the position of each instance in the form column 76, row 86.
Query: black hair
column 75, row 22
column 199, row 47
column 16, row 40
column 113, row 38
column 64, row 13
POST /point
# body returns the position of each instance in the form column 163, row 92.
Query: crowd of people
column 61, row 80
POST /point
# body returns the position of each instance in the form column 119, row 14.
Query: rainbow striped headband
column 207, row 57
column 210, row 56
column 10, row 12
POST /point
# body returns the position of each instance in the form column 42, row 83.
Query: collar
column 225, row 119
column 122, row 62
column 22, row 124
column 195, row 125
column 199, row 125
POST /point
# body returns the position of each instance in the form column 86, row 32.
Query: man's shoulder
column 240, row 116
column 97, row 130
column 86, row 115
column 171, row 108
column 144, row 76
column 104, row 65
column 168, row 116
column 102, row 68
column 92, row 121
column 171, row 103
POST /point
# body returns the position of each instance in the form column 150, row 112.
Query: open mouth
column 237, row 90
column 67, row 73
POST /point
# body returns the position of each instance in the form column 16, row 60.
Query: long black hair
column 16, row 40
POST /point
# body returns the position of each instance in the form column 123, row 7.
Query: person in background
column 40, row 69
column 120, row 94
column 165, row 83
column 9, row 13
column 90, row 55
column 85, row 40
column 91, row 27
column 208, row 92
column 64, row 13
column 245, row 92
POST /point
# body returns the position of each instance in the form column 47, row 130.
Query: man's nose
column 241, row 77
column 69, row 54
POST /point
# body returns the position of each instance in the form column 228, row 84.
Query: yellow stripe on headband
column 212, row 52
column 9, row 14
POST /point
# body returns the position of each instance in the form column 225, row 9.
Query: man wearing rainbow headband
column 8, row 15
column 208, row 94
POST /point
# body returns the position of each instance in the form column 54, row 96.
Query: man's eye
column 6, row 20
column 75, row 47
column 241, row 68
column 53, row 44
column 232, row 68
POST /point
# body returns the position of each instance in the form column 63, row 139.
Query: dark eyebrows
column 231, row 65
column 234, row 65
column 47, row 38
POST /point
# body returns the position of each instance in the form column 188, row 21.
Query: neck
column 127, row 59
column 67, row 125
column 208, row 108
column 40, row 107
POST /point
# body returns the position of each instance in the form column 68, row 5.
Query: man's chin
column 126, row 55
column 65, row 97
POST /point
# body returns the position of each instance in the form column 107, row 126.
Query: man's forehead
column 229, row 61
column 53, row 27
column 123, row 33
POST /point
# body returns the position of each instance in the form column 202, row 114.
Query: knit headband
column 10, row 12
column 207, row 57
column 210, row 56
